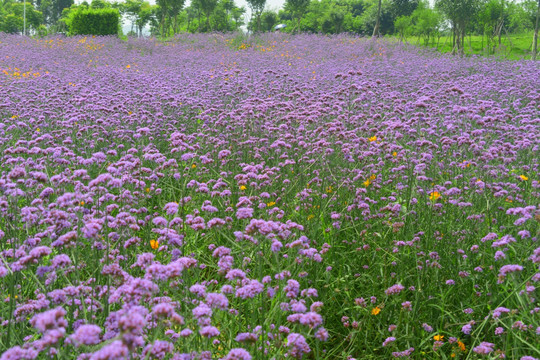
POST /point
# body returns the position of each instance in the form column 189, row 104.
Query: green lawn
column 513, row 46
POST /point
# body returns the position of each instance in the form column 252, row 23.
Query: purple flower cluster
column 173, row 200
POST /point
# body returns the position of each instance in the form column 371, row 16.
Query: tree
column 426, row 23
column 220, row 19
column 257, row 8
column 197, row 9
column 491, row 19
column 521, row 16
column 145, row 15
column 403, row 7
column 337, row 17
column 227, row 5
column 297, row 8
column 11, row 24
column 208, row 6
column 163, row 15
column 535, row 37
column 100, row 4
column 376, row 29
column 269, row 19
column 168, row 12
column 175, row 7
column 131, row 9
column 52, row 10
column 459, row 13
column 386, row 20
column 13, row 20
column 402, row 25
column 237, row 14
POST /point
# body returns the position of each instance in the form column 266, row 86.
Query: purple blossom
column 113, row 351
column 311, row 319
column 250, row 290
column 297, row 345
column 395, row 289
column 404, row 353
column 244, row 213
column 484, row 348
column 466, row 329
column 247, row 337
column 506, row 269
column 158, row 350
column 86, row 335
column 209, row 331
column 48, row 320
column 238, row 354
column 322, row 334
column 388, row 341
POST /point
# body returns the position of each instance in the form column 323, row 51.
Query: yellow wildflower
column 271, row 203
column 438, row 337
column 154, row 244
column 243, row 187
column 433, row 196
column 394, row 154
column 372, row 139
column 193, row 166
column 461, row 345
column 376, row 310
column 523, row 177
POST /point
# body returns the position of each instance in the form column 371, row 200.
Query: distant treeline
column 492, row 19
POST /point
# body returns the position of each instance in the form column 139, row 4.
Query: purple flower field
column 283, row 197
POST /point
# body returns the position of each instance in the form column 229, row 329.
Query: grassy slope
column 513, row 46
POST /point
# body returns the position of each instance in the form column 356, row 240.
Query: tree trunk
column 463, row 39
column 501, row 21
column 376, row 29
column 163, row 24
column 483, row 34
column 453, row 37
column 535, row 38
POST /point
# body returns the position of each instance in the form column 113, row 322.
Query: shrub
column 94, row 22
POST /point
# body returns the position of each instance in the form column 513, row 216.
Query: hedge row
column 94, row 22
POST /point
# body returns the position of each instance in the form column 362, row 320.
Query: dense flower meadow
column 283, row 197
